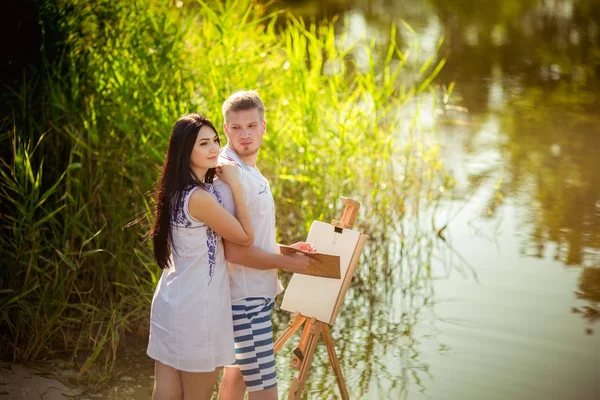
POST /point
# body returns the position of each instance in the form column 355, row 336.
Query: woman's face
column 205, row 154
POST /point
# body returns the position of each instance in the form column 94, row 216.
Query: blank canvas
column 315, row 296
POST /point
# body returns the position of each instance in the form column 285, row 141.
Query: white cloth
column 249, row 282
column 191, row 326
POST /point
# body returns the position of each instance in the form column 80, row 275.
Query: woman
column 191, row 327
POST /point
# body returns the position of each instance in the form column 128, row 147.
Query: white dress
column 191, row 323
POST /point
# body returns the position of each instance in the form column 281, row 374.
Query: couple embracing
column 214, row 238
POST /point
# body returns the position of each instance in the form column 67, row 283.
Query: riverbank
column 52, row 380
column 18, row 382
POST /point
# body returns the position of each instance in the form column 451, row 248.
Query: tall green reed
column 79, row 275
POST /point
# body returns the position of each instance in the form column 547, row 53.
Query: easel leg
column 311, row 345
column 298, row 353
column 335, row 363
column 292, row 327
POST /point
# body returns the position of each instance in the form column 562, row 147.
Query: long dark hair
column 176, row 176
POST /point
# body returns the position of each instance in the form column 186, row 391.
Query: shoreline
column 23, row 383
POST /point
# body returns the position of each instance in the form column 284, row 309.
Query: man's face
column 244, row 130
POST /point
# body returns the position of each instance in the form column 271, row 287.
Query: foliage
column 85, row 153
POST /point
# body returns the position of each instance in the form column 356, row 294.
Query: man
column 252, row 270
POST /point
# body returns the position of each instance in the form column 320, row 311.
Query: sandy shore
column 19, row 383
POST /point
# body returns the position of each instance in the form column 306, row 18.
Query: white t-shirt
column 244, row 281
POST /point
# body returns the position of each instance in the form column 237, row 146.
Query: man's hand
column 304, row 247
column 298, row 263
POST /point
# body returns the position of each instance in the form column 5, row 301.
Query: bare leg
column 167, row 383
column 232, row 385
column 199, row 385
column 267, row 394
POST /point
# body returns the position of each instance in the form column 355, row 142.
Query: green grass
column 86, row 152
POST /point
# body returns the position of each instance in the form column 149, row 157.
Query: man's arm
column 257, row 258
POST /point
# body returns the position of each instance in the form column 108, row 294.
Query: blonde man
column 253, row 275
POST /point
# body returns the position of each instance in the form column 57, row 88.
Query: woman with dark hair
column 191, row 327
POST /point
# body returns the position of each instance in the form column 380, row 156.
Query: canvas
column 320, row 297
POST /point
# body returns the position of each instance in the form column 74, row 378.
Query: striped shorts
column 253, row 334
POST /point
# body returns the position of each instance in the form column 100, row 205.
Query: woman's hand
column 229, row 173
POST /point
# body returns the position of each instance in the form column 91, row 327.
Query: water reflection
column 552, row 154
column 589, row 289
column 548, row 39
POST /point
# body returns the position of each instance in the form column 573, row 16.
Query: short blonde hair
column 244, row 100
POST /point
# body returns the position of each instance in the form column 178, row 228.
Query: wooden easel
column 313, row 329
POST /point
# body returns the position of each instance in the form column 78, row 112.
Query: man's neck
column 250, row 160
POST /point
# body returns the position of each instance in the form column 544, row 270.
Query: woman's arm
column 204, row 207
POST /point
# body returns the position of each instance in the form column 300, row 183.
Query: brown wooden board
column 328, row 267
